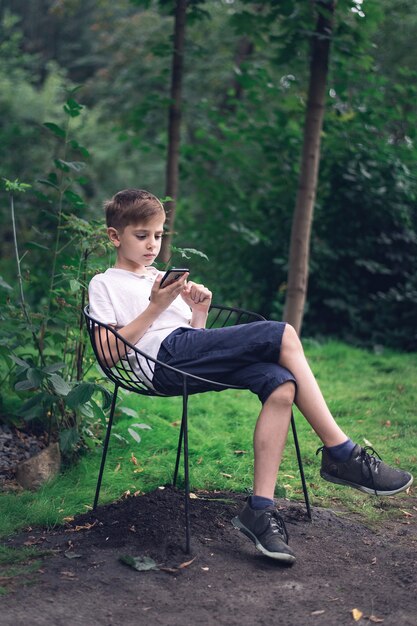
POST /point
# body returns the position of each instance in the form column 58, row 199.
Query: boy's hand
column 197, row 297
column 162, row 298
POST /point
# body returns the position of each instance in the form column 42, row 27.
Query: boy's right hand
column 162, row 298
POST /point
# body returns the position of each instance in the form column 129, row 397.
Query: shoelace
column 277, row 524
column 368, row 455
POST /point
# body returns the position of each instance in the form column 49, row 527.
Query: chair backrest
column 128, row 370
column 120, row 371
column 221, row 316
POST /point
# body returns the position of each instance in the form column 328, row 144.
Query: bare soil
column 342, row 565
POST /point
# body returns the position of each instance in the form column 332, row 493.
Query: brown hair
column 132, row 206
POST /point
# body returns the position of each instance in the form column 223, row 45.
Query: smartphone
column 172, row 275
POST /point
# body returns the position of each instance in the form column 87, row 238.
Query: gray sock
column 259, row 502
column 342, row 451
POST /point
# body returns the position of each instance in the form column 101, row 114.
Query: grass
column 372, row 396
column 19, row 566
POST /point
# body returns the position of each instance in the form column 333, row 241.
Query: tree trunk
column 307, row 186
column 174, row 126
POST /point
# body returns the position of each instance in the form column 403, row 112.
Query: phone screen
column 172, row 275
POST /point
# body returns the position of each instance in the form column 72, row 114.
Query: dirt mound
column 341, row 565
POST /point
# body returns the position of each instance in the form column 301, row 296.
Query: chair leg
column 177, row 462
column 300, row 465
column 186, row 473
column 105, row 446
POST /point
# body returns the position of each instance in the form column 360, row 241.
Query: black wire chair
column 134, row 378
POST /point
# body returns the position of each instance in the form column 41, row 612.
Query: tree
column 174, row 125
column 306, row 193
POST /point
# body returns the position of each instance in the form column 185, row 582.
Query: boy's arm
column 113, row 349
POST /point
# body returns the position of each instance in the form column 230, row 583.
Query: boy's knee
column 284, row 394
column 290, row 339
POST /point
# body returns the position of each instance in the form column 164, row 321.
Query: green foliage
column 246, row 69
column 49, row 380
column 366, row 228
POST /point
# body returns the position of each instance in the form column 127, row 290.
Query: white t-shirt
column 118, row 296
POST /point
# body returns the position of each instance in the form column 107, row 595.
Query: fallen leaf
column 176, row 423
column 32, row 541
column 133, row 459
column 205, row 569
column 226, row 475
column 288, row 476
column 138, row 470
column 240, row 452
column 356, row 614
column 116, row 469
column 67, row 574
column 69, row 518
column 193, row 496
column 375, row 619
column 367, row 443
column 169, row 570
column 72, row 555
column 186, row 564
column 78, row 528
column 387, row 423
column 406, row 513
column 200, row 460
column 139, row 563
column 318, row 612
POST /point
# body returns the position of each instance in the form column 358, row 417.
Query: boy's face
column 137, row 245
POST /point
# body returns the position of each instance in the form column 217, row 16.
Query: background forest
column 84, row 98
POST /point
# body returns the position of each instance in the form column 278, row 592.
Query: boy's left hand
column 196, row 296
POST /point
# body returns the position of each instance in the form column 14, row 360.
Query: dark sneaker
column 267, row 530
column 364, row 471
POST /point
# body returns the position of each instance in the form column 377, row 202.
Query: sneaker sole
column 340, row 481
column 278, row 556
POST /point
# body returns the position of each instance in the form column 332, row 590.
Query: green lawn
column 374, row 398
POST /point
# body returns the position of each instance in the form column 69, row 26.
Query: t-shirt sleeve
column 101, row 307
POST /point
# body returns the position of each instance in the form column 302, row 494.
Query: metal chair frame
column 124, row 376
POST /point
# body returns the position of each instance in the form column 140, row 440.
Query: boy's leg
column 269, row 439
column 343, row 462
column 264, row 526
column 309, row 398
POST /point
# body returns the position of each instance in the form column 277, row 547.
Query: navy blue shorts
column 245, row 355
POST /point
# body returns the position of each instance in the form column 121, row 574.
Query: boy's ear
column 113, row 235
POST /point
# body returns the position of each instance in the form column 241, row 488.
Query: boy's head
column 132, row 207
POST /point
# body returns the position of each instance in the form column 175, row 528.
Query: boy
column 168, row 324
